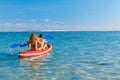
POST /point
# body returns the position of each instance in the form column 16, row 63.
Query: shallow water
column 75, row 56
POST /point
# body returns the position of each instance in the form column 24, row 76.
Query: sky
column 80, row 15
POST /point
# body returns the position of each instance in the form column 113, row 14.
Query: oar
column 23, row 45
column 47, row 37
column 16, row 45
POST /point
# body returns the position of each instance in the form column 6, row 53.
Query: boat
column 35, row 54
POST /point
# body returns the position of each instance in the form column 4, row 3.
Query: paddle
column 47, row 37
column 23, row 45
column 16, row 45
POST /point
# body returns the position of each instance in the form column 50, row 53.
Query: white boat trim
column 37, row 53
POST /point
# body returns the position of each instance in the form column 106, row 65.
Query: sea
column 80, row 55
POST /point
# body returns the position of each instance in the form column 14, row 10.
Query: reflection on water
column 33, row 68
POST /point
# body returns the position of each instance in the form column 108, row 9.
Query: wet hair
column 41, row 35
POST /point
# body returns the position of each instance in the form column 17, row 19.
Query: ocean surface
column 75, row 56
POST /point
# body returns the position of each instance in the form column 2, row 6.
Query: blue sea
column 75, row 56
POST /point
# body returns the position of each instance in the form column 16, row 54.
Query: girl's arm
column 36, row 45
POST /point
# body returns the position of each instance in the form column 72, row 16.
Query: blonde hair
column 33, row 38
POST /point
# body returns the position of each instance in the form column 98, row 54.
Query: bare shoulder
column 44, row 40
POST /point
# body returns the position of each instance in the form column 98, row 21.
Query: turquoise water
column 75, row 56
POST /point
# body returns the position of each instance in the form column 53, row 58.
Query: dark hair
column 41, row 35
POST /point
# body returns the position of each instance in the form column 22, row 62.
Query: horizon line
column 60, row 31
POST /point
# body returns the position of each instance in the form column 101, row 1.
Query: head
column 41, row 35
column 33, row 37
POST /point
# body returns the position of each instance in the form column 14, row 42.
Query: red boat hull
column 35, row 54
